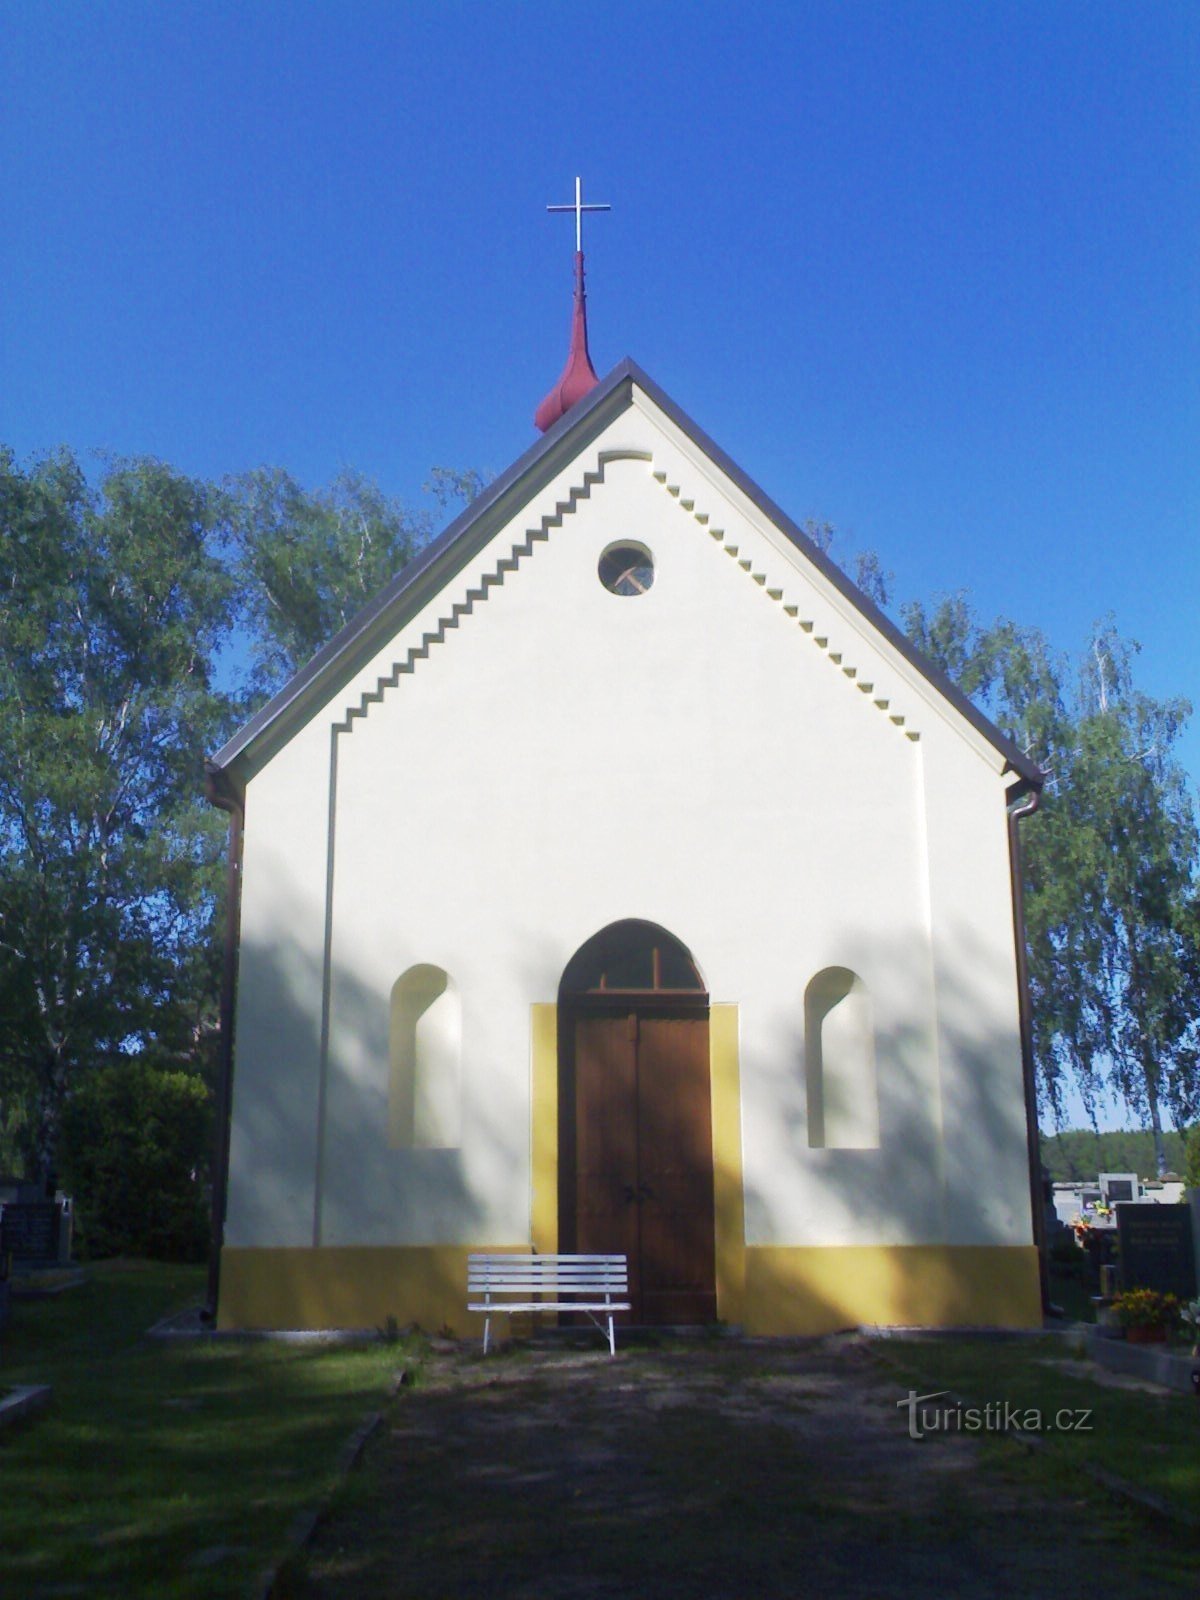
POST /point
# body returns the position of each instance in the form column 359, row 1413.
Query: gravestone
column 30, row 1231
column 1156, row 1249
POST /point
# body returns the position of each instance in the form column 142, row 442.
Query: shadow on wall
column 945, row 1190
column 948, row 1166
column 948, row 1161
column 333, row 1162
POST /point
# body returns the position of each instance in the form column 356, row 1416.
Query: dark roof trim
column 359, row 632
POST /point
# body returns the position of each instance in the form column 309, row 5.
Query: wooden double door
column 636, row 1155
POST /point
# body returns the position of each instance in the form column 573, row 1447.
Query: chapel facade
column 621, row 879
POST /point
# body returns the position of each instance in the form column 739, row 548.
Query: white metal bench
column 595, row 1285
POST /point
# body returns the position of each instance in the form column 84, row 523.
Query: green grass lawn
column 1151, row 1440
column 173, row 1469
column 170, row 1469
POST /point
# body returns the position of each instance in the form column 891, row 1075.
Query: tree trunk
column 49, row 1105
column 1136, row 1001
column 1160, row 1153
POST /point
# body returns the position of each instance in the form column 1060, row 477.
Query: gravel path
column 712, row 1469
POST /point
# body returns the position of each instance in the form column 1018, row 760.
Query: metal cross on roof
column 579, row 208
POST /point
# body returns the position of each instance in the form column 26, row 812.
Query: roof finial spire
column 578, row 376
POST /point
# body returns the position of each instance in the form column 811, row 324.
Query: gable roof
column 366, row 631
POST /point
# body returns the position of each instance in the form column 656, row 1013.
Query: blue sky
column 929, row 271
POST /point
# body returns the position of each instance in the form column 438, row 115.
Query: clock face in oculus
column 627, row 569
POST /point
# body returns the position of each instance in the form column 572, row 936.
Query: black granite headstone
column 29, row 1232
column 1156, row 1249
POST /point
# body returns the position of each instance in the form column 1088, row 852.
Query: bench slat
column 511, row 1282
column 541, row 1305
column 548, row 1288
column 548, row 1276
column 516, row 1255
column 581, row 1262
column 547, row 1263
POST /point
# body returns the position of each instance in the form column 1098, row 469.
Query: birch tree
column 1111, row 861
column 308, row 560
column 112, row 606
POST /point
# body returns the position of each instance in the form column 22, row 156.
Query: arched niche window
column 425, row 1047
column 632, row 957
column 839, row 1053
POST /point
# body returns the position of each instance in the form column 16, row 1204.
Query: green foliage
column 868, row 571
column 1110, row 860
column 389, row 1330
column 16, row 1133
column 112, row 605
column 1011, row 671
column 871, row 577
column 1066, row 1256
column 1112, row 873
column 135, row 1149
column 1191, row 1157
column 1146, row 1308
column 450, row 487
column 1076, row 1155
column 307, row 562
column 116, row 599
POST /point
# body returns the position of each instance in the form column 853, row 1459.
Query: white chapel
column 621, row 879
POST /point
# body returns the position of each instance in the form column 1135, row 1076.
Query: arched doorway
column 635, row 1118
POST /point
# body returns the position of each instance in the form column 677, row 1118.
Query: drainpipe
column 1025, row 801
column 221, row 791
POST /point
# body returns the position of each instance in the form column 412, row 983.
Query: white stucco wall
column 564, row 758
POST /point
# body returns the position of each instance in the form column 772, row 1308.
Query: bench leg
column 612, row 1343
column 487, row 1328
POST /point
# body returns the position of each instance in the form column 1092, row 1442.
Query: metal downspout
column 1025, row 804
column 221, row 792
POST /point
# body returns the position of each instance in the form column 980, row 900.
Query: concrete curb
column 26, row 1286
column 1053, row 1330
column 188, row 1324
column 1154, row 1363
column 305, row 1523
column 23, row 1402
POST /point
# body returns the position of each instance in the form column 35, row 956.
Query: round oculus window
column 626, row 569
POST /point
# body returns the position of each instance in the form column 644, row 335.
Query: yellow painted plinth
column 771, row 1290
column 332, row 1287
column 811, row 1291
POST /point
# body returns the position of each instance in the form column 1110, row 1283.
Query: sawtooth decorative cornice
column 495, row 577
